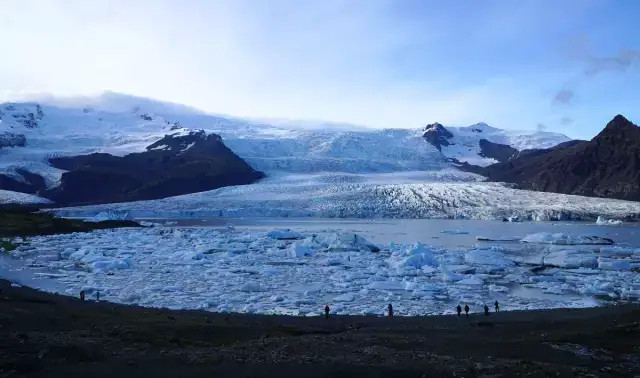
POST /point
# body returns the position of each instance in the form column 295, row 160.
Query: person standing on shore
column 497, row 306
column 390, row 308
column 466, row 310
column 486, row 310
column 82, row 295
column 459, row 309
column 326, row 311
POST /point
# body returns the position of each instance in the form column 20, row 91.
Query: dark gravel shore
column 56, row 336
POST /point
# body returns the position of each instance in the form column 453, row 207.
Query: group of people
column 486, row 309
column 82, row 296
column 458, row 309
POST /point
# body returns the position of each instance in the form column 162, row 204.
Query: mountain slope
column 176, row 164
column 483, row 145
column 606, row 166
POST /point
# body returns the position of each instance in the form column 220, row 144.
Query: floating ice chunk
column 564, row 239
column 333, row 261
column 299, row 250
column 284, row 234
column 500, row 239
column 313, row 242
column 386, row 285
column 109, row 215
column 610, row 264
column 448, row 275
column 555, row 290
column 618, row 251
column 601, row 221
column 346, row 241
column 16, row 285
column 462, row 269
column 346, row 297
column 415, row 256
column 571, row 258
column 110, row 264
column 454, row 232
column 498, row 288
column 550, row 278
column 251, row 287
column 630, row 293
column 471, row 281
column 488, row 257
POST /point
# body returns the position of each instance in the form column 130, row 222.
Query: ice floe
column 608, row 222
column 564, row 239
column 299, row 271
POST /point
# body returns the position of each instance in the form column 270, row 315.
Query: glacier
column 427, row 194
column 319, row 172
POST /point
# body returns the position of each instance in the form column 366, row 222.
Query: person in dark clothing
column 82, row 295
column 486, row 309
column 390, row 307
column 97, row 296
column 326, row 311
column 466, row 310
column 459, row 309
column 497, row 306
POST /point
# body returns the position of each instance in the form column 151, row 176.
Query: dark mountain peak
column 183, row 140
column 184, row 162
column 619, row 129
column 435, row 126
column 437, row 135
column 497, row 151
column 606, row 166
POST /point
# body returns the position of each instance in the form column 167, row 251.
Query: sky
column 566, row 66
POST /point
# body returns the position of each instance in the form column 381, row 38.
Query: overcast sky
column 566, row 66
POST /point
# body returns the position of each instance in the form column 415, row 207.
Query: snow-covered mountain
column 483, row 145
column 120, row 124
column 34, row 133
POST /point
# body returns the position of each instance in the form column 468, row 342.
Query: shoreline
column 54, row 335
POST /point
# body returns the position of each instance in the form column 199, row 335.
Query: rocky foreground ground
column 51, row 335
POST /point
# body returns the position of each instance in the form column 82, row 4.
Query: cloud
column 622, row 61
column 541, row 126
column 566, row 121
column 563, row 96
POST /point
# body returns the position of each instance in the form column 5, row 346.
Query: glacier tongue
column 434, row 194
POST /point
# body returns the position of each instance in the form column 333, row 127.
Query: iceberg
column 490, row 257
column 415, row 256
column 284, row 234
column 564, row 239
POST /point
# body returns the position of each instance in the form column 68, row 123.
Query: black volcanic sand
column 56, row 336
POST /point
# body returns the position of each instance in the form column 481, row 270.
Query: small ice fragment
column 471, row 281
column 298, row 250
column 454, row 232
column 601, row 221
column 564, row 239
column 611, row 264
column 284, row 234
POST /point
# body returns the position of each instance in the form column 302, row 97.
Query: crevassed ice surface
column 435, row 194
column 7, row 196
column 357, row 267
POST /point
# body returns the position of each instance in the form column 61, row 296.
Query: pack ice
column 297, row 271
